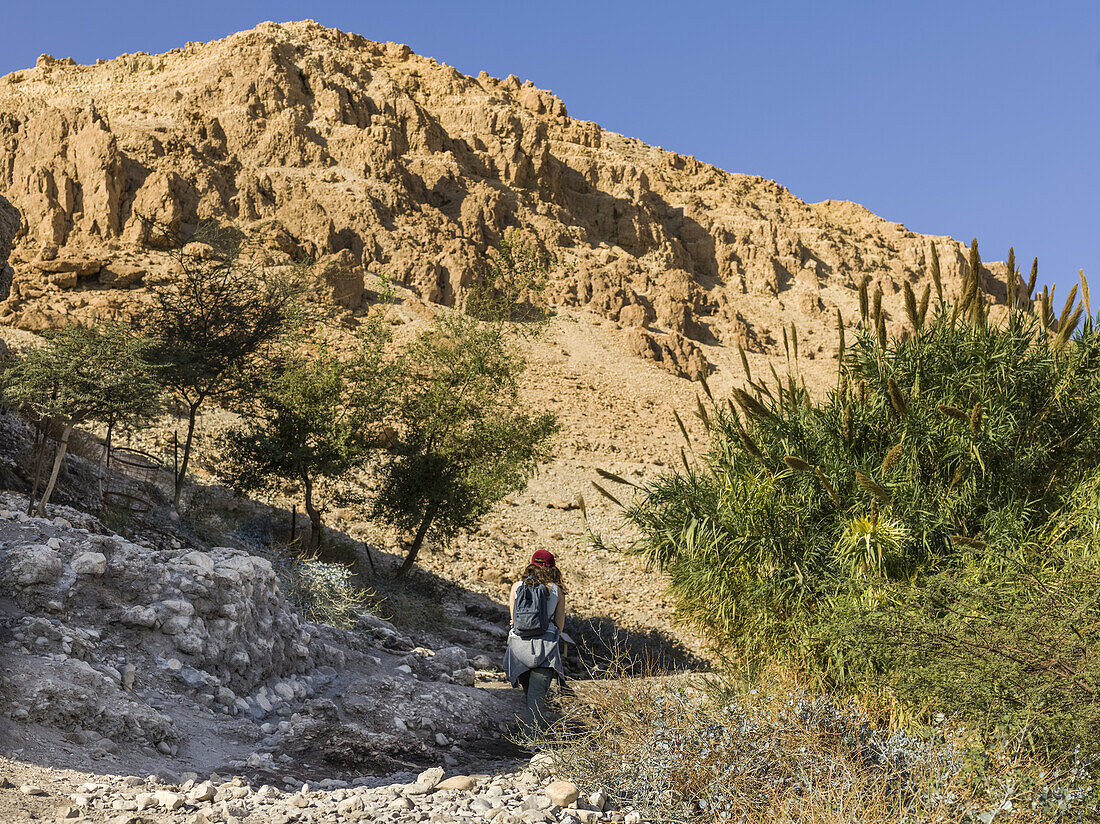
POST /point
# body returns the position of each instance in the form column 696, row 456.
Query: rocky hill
column 370, row 157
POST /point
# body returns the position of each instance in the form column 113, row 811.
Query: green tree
column 466, row 438
column 317, row 418
column 78, row 376
column 212, row 324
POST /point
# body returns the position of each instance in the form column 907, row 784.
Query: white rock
column 200, row 560
column 284, row 690
column 139, row 617
column 35, row 565
column 425, row 782
column 89, row 563
column 537, row 801
column 350, row 805
column 562, row 793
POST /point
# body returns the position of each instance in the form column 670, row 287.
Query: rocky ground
column 125, row 658
column 517, row 792
column 160, row 653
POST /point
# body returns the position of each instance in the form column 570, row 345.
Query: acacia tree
column 213, row 324
column 316, row 421
column 78, row 376
column 467, row 440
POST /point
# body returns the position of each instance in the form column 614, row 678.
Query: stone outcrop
column 9, row 226
column 376, row 159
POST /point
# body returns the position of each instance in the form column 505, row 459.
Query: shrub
column 320, row 591
column 1016, row 650
column 316, row 421
column 952, row 450
column 677, row 752
column 77, row 376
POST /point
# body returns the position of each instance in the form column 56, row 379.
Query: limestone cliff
column 326, row 143
column 9, row 226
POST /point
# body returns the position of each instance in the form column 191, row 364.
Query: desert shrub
column 317, row 418
column 951, row 450
column 212, row 327
column 77, row 376
column 1015, row 649
column 1019, row 651
column 320, row 591
column 945, row 449
column 677, row 751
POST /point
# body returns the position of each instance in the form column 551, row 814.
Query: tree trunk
column 105, row 477
column 41, row 437
column 421, row 532
column 57, row 461
column 313, row 512
column 107, row 443
column 181, row 473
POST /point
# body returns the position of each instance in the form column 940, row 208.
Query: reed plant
column 953, row 454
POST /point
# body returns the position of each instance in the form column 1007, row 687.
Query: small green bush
column 320, row 591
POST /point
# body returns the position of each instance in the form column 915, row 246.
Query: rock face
column 373, row 158
column 215, row 621
column 9, row 226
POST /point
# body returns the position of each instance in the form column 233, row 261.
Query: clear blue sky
column 962, row 118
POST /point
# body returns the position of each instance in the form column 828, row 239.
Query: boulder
column 450, row 658
column 464, row 783
column 562, row 793
column 426, row 782
column 35, row 565
column 89, row 563
column 120, row 275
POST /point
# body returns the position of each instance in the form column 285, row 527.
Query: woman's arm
column 512, row 603
column 559, row 612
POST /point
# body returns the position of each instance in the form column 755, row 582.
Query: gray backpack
column 530, row 611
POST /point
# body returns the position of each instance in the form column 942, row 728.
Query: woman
column 534, row 662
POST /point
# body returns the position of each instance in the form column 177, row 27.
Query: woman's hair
column 536, row 574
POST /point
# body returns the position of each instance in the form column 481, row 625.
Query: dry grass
column 685, row 748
